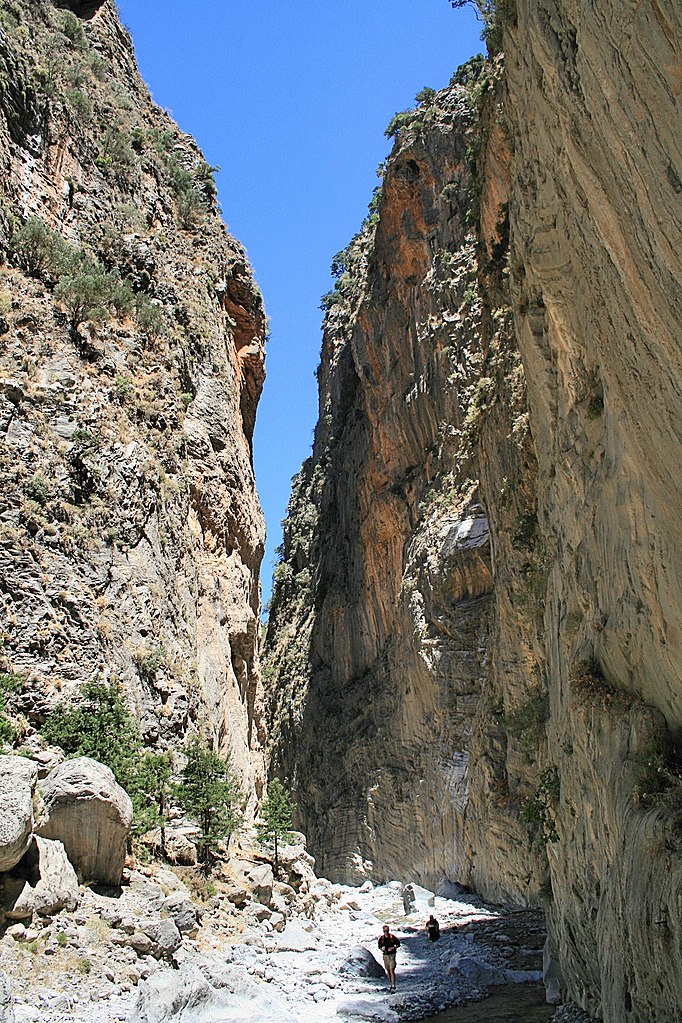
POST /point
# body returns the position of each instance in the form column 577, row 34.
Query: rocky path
column 95, row 966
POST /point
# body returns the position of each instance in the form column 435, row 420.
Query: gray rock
column 361, row 963
column 6, row 1009
column 91, row 814
column 551, row 974
column 183, row 912
column 55, row 886
column 17, row 782
column 164, row 935
column 477, row 971
column 260, row 879
column 186, row 996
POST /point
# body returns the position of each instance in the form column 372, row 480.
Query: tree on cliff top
column 276, row 816
column 210, row 794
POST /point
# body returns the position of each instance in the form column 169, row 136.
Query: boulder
column 43, row 882
column 297, row 866
column 477, row 971
column 164, row 935
column 183, row 912
column 6, row 1007
column 360, row 962
column 17, row 782
column 366, row 1008
column 180, row 848
column 91, row 814
column 295, row 938
column 259, row 878
column 186, row 996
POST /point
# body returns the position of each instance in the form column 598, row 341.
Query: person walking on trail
column 433, row 928
column 389, row 945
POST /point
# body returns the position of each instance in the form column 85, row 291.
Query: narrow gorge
column 470, row 675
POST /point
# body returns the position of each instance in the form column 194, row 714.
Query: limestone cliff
column 132, row 359
column 505, row 710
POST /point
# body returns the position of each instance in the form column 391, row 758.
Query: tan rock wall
column 131, row 530
column 593, row 100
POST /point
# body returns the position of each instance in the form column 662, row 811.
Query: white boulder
column 53, row 884
column 186, row 996
column 85, row 808
column 17, row 782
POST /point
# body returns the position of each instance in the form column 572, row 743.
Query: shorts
column 389, row 961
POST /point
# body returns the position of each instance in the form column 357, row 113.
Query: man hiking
column 389, row 944
column 433, row 928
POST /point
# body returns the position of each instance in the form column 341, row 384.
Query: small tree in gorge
column 209, row 793
column 276, row 815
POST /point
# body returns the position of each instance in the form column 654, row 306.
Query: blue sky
column 291, row 100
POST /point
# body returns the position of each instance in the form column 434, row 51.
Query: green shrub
column 150, row 661
column 151, row 318
column 97, row 65
column 80, row 103
column 210, row 794
column 36, row 248
column 89, row 291
column 86, row 730
column 73, row 30
column 115, row 150
column 38, row 490
column 123, row 388
column 103, row 728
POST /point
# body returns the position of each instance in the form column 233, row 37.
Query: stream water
column 510, row 1003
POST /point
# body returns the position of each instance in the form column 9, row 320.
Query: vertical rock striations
column 132, row 359
column 593, row 95
column 473, row 641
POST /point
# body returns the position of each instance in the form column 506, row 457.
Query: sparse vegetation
column 9, row 682
column 527, row 722
column 276, row 815
column 658, row 774
column 539, row 811
column 210, row 794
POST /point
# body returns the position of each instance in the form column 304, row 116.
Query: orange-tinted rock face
column 131, row 530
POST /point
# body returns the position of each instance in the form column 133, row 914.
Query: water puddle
column 510, row 1003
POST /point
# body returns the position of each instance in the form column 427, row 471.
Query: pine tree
column 276, row 815
column 151, row 793
column 210, row 794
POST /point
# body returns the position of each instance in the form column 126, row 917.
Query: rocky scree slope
column 478, row 599
column 132, row 360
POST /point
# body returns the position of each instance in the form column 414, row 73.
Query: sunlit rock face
column 505, row 711
column 131, row 533
column 381, row 623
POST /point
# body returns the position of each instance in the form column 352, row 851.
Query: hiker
column 389, row 944
column 433, row 928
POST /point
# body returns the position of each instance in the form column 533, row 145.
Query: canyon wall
column 131, row 362
column 474, row 658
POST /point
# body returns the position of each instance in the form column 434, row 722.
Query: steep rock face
column 511, row 720
column 379, row 627
column 593, row 96
column 132, row 359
